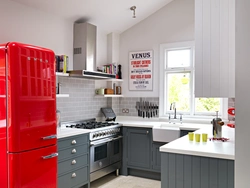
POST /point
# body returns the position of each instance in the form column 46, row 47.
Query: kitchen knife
column 138, row 108
column 151, row 109
column 147, row 109
column 143, row 109
column 153, row 112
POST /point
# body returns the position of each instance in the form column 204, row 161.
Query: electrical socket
column 125, row 110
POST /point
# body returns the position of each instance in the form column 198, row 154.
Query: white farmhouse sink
column 166, row 132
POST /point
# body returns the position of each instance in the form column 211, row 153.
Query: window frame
column 163, row 112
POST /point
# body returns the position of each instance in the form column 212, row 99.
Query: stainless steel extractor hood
column 84, row 59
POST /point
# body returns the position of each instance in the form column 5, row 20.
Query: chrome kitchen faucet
column 173, row 107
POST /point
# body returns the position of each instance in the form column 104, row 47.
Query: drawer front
column 73, row 178
column 72, row 141
column 72, row 164
column 73, row 152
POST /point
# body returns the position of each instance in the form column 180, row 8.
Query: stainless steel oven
column 105, row 156
column 105, row 146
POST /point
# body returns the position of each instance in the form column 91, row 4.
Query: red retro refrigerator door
column 3, row 149
column 31, row 98
column 33, row 169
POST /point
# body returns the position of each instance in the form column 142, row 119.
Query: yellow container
column 204, row 137
column 197, row 137
column 191, row 136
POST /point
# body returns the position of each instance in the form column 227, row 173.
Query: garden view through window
column 179, row 85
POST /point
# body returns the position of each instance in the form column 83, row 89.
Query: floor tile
column 112, row 181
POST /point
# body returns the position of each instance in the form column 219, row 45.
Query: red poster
column 140, row 70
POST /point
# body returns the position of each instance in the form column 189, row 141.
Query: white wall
column 172, row 23
column 27, row 25
column 24, row 24
column 242, row 88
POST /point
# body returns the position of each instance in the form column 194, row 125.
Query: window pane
column 207, row 104
column 178, row 58
column 178, row 91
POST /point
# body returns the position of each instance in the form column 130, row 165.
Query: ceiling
column 108, row 15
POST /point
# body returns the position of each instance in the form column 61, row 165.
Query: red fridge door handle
column 50, row 156
column 49, row 137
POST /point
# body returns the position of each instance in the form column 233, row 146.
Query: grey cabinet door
column 139, row 143
column 185, row 132
column 157, row 156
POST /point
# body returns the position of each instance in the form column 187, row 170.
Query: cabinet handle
column 73, row 162
column 73, row 142
column 73, row 151
column 147, row 132
column 73, row 175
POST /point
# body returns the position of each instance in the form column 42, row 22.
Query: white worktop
column 215, row 149
column 156, row 122
column 66, row 132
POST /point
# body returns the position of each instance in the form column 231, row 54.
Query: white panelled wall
column 242, row 103
column 215, row 48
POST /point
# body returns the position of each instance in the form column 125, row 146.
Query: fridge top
column 27, row 77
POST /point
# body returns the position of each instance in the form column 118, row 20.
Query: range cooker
column 105, row 146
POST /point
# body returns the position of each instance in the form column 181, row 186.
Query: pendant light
column 133, row 9
column 184, row 79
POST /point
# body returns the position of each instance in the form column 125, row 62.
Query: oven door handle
column 117, row 138
column 100, row 142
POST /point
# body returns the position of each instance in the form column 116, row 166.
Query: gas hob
column 98, row 130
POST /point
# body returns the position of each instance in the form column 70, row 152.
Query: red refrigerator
column 28, row 150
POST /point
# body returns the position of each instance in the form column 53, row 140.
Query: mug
column 99, row 91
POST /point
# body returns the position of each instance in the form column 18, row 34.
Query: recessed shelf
column 62, row 74
column 62, row 95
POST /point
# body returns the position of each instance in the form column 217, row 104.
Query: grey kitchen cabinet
column 215, row 48
column 139, row 142
column 141, row 156
column 190, row 171
column 157, row 156
column 73, row 161
column 185, row 132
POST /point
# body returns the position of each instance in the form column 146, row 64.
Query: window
column 177, row 86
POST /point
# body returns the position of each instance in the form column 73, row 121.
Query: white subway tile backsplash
column 82, row 102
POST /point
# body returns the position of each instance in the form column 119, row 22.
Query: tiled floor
column 111, row 181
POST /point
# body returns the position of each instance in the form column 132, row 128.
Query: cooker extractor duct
column 84, row 59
